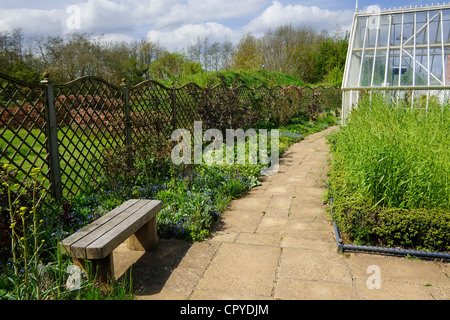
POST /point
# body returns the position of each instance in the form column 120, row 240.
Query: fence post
column 231, row 104
column 52, row 138
column 174, row 108
column 126, row 110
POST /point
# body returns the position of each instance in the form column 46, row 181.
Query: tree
column 284, row 49
column 213, row 57
column 24, row 72
column 83, row 54
column 248, row 55
column 143, row 53
column 227, row 54
column 11, row 48
column 171, row 65
column 301, row 52
column 77, row 55
column 330, row 59
column 116, row 57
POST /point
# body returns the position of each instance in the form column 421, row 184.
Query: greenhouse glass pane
column 394, row 65
column 360, row 32
column 421, row 28
column 371, row 37
column 437, row 68
column 384, row 31
column 408, row 28
column 407, row 71
column 446, row 18
column 421, row 67
column 366, row 74
column 380, row 68
column 353, row 74
column 396, row 30
column 435, row 29
column 447, row 73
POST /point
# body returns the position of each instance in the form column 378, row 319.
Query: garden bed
column 390, row 176
column 193, row 197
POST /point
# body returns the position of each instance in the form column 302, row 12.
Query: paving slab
column 244, row 269
column 278, row 243
column 314, row 265
column 295, row 289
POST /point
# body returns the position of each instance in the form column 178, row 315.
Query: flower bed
column 193, row 196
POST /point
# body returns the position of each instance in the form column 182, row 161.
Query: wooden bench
column 134, row 221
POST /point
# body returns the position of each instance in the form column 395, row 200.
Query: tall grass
column 392, row 157
column 397, row 156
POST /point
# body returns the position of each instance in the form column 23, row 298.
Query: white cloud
column 174, row 23
column 298, row 15
column 100, row 16
column 31, row 21
column 181, row 37
column 105, row 16
column 199, row 11
column 153, row 9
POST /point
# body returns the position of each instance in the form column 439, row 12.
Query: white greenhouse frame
column 403, row 52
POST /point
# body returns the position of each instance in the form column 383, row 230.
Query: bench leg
column 102, row 269
column 145, row 239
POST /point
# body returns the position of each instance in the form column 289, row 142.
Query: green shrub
column 427, row 229
column 250, row 78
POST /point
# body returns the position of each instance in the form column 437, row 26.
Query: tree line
column 302, row 52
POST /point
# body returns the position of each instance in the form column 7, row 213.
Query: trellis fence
column 67, row 130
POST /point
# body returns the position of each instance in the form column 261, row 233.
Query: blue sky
column 176, row 23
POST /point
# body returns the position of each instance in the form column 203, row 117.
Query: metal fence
column 69, row 130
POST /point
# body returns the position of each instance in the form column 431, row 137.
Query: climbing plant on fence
column 71, row 130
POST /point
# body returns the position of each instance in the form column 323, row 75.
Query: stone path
column 278, row 243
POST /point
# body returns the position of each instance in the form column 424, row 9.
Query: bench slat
column 131, row 210
column 78, row 241
column 78, row 248
column 80, row 234
column 122, row 231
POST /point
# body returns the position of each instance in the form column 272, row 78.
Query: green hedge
column 362, row 223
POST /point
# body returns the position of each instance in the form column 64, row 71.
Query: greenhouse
column 402, row 52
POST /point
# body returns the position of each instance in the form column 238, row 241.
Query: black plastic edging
column 341, row 247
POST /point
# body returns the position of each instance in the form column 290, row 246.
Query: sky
column 176, row 23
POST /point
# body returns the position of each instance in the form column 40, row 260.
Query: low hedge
column 361, row 222
column 416, row 229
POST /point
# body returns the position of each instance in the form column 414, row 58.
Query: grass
column 77, row 149
column 34, row 155
column 390, row 175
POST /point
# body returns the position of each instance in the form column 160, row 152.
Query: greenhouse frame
column 402, row 52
